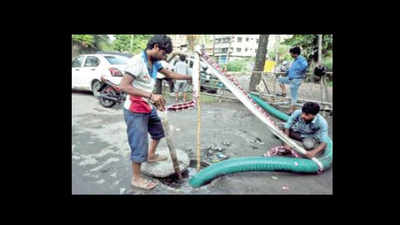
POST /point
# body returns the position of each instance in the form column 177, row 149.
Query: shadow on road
column 82, row 92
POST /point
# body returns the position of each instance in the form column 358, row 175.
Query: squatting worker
column 140, row 116
column 309, row 127
column 296, row 75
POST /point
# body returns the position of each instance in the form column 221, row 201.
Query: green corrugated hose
column 259, row 163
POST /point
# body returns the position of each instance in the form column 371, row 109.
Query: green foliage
column 130, row 43
column 98, row 42
column 328, row 62
column 271, row 55
column 84, row 39
column 309, row 43
column 238, row 65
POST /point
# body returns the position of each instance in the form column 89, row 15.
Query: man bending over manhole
column 140, row 116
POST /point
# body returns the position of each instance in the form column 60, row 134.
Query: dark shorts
column 138, row 126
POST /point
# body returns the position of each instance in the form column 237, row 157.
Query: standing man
column 181, row 86
column 140, row 116
column 296, row 75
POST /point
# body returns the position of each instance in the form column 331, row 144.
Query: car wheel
column 95, row 87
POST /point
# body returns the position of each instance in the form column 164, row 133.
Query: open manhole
column 173, row 180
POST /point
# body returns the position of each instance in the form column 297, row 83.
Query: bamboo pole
column 196, row 69
column 324, row 90
column 265, row 84
column 171, row 146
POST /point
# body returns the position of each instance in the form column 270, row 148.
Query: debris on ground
column 226, row 143
column 285, row 187
column 121, row 190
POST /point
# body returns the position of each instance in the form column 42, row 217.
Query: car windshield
column 114, row 60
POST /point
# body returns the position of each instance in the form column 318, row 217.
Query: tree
column 192, row 40
column 260, row 61
column 130, row 43
column 309, row 44
column 90, row 41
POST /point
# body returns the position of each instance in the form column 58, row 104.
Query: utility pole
column 323, row 87
column 131, row 42
column 213, row 51
column 319, row 48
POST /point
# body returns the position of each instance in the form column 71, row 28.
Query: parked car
column 87, row 70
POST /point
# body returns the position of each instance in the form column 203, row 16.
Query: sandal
column 147, row 185
column 157, row 158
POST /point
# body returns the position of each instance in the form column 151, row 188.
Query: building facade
column 177, row 41
column 231, row 47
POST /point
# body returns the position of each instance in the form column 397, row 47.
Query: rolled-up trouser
column 138, row 127
column 294, row 85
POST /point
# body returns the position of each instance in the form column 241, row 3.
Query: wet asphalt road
column 100, row 151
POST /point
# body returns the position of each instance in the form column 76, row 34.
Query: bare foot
column 156, row 158
column 142, row 183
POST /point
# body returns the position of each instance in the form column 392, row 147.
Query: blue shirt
column 317, row 128
column 298, row 68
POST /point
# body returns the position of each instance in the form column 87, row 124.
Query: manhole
column 174, row 181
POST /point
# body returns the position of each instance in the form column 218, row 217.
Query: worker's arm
column 321, row 134
column 315, row 151
column 126, row 86
column 303, row 65
column 289, row 123
column 174, row 75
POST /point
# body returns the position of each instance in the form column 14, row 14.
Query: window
column 92, row 61
column 247, row 39
column 245, row 49
column 116, row 60
column 238, row 49
column 239, row 39
column 77, row 62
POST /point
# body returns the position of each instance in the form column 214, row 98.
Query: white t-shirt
column 137, row 68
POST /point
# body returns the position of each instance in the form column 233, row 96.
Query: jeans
column 138, row 125
column 294, row 85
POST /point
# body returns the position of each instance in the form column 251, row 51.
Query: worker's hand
column 287, row 147
column 158, row 101
column 310, row 154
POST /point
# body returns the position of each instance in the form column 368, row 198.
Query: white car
column 87, row 70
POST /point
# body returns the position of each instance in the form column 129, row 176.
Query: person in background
column 296, row 75
column 181, row 85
